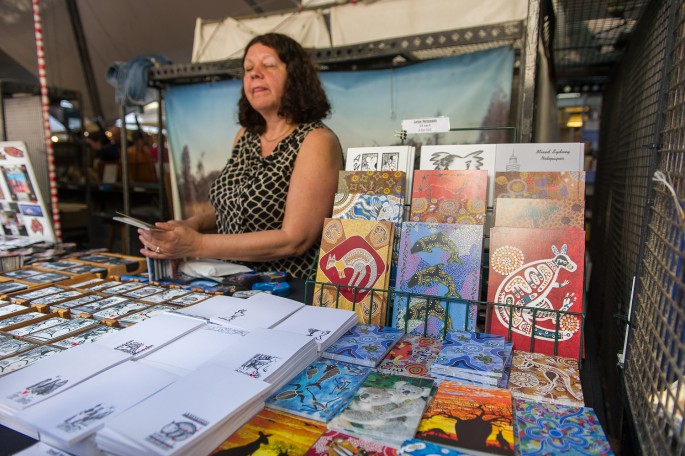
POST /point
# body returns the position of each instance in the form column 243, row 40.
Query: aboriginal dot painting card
column 545, row 378
column 541, row 269
column 364, row 206
column 412, row 356
column 462, row 157
column 540, row 213
column 376, row 182
column 449, row 196
column 271, row 433
column 558, row 429
column 437, row 259
column 540, row 185
column 383, row 158
column 320, row 390
column 355, row 260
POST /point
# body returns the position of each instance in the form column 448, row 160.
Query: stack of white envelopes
column 262, row 310
column 270, row 355
column 50, row 377
column 191, row 416
column 69, row 420
column 323, row 324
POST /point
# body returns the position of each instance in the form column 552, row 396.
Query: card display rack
column 485, row 310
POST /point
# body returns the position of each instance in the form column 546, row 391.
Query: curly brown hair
column 304, row 99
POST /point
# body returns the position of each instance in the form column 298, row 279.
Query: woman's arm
column 310, row 199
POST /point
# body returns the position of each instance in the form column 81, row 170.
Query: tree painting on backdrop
column 473, row 90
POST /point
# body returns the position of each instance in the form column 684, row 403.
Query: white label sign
column 428, row 125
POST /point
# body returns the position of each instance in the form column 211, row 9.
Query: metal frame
column 638, row 234
column 395, row 52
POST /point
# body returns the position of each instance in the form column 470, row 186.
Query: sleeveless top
column 249, row 194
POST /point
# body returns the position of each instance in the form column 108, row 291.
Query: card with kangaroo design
column 271, row 432
column 537, row 275
column 437, row 259
column 354, row 258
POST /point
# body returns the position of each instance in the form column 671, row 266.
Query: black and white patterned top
column 249, row 194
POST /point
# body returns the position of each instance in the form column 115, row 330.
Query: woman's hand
column 174, row 239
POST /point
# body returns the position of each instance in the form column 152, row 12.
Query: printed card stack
column 541, row 269
column 365, row 345
column 373, row 182
column 268, row 354
column 189, row 352
column 334, row 443
column 261, row 310
column 365, row 206
column 152, row 334
column 382, row 159
column 26, row 358
column 191, row 416
column 70, row 419
column 88, row 336
column 323, row 324
column 545, row 378
column 355, row 259
column 449, row 196
column 272, row 433
column 474, row 358
column 50, row 377
column 442, row 260
column 412, row 356
column 544, row 428
column 462, row 157
column 477, row 420
column 385, row 409
column 320, row 390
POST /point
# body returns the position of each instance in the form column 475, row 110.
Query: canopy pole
column 45, row 105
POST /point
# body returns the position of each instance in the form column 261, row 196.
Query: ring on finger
column 158, row 250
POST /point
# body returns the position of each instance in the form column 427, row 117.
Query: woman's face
column 264, row 78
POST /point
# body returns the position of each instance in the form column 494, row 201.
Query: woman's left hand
column 174, row 239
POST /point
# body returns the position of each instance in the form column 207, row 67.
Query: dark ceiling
column 589, row 38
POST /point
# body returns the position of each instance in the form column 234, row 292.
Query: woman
column 271, row 199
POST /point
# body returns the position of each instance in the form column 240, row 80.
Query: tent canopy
column 113, row 30
column 206, row 30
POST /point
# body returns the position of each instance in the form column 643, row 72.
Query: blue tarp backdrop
column 473, row 90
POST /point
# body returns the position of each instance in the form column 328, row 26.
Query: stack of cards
column 473, row 358
column 52, row 376
column 262, row 310
column 412, row 355
column 69, row 420
column 323, row 324
column 320, row 390
column 268, row 354
column 365, row 345
column 385, row 409
column 188, row 353
column 191, row 416
column 149, row 335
